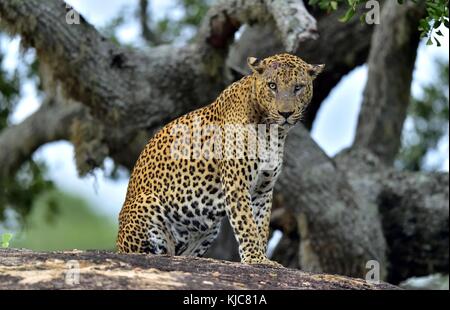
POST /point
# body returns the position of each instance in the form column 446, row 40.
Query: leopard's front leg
column 252, row 248
column 262, row 207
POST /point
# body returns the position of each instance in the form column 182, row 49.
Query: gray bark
column 144, row 19
column 387, row 94
column 293, row 22
column 287, row 250
column 336, row 223
column 50, row 123
column 414, row 211
column 225, row 246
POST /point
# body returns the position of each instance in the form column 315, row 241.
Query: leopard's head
column 283, row 87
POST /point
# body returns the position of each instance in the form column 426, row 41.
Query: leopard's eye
column 272, row 86
column 298, row 88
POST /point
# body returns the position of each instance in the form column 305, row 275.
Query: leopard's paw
column 262, row 261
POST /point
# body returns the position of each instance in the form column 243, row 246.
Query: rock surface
column 24, row 269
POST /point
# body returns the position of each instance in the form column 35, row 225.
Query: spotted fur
column 175, row 205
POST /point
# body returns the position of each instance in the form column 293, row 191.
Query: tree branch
column 293, row 21
column 414, row 210
column 287, row 251
column 339, row 229
column 87, row 65
column 124, row 88
column 146, row 30
column 58, row 119
column 387, row 93
column 350, row 42
column 121, row 87
column 50, row 123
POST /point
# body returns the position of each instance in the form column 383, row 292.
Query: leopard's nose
column 285, row 114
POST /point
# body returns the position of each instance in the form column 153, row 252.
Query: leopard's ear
column 255, row 64
column 315, row 70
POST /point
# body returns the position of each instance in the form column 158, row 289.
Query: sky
column 333, row 130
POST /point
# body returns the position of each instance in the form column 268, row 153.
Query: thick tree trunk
column 22, row 269
column 413, row 209
column 387, row 94
column 339, row 229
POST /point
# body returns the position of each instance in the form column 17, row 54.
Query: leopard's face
column 283, row 87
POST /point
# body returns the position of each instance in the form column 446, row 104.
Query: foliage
column 6, row 238
column 9, row 93
column 60, row 221
column 437, row 14
column 429, row 115
column 171, row 27
column 181, row 25
column 18, row 192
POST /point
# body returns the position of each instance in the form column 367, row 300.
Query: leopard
column 188, row 179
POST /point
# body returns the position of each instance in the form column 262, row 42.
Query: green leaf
column 5, row 240
column 439, row 33
column 334, row 5
column 429, row 42
column 362, row 18
column 348, row 15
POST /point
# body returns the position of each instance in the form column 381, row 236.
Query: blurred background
column 55, row 209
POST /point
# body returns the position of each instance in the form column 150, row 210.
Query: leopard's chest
column 268, row 169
